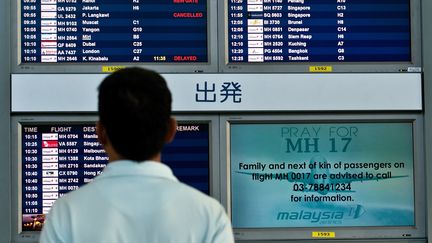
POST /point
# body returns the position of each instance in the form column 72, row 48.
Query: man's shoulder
column 198, row 198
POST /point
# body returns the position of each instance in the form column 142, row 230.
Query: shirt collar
column 144, row 168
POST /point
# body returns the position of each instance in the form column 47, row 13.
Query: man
column 136, row 198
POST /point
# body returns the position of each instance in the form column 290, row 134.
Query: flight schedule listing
column 59, row 158
column 318, row 31
column 69, row 31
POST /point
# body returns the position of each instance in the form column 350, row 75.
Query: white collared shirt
column 136, row 202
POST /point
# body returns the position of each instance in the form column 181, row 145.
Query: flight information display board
column 58, row 158
column 318, row 31
column 77, row 31
column 288, row 175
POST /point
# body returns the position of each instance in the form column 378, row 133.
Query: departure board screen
column 76, row 31
column 59, row 158
column 290, row 175
column 318, row 31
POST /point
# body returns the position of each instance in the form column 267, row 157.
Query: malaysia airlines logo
column 50, row 144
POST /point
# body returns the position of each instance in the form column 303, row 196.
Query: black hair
column 135, row 108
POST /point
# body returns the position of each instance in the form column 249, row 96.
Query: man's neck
column 113, row 157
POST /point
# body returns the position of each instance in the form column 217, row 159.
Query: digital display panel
column 83, row 31
column 59, row 158
column 296, row 31
column 322, row 175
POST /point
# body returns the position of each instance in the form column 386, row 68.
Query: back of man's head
column 135, row 108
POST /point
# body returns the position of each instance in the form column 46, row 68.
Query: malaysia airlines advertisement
column 322, row 175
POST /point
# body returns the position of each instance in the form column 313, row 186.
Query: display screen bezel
column 353, row 232
column 102, row 67
column 16, row 125
column 305, row 67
